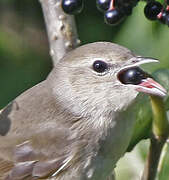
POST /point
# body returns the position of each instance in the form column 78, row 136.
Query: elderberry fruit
column 103, row 5
column 164, row 14
column 152, row 9
column 72, row 6
column 114, row 16
column 133, row 75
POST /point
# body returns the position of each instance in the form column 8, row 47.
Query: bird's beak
column 139, row 60
column 147, row 85
column 151, row 87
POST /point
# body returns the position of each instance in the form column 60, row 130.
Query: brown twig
column 61, row 29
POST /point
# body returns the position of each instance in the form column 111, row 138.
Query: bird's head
column 103, row 75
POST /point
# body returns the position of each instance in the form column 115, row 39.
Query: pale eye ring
column 100, row 66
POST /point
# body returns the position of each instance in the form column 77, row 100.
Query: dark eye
column 132, row 76
column 100, row 66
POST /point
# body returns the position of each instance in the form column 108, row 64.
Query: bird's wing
column 31, row 170
column 32, row 136
column 29, row 164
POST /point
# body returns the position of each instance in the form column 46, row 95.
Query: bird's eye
column 100, row 66
column 132, row 75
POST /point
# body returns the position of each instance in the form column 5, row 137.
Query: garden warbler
column 77, row 123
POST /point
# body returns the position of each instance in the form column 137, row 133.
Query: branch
column 61, row 29
column 160, row 132
column 151, row 166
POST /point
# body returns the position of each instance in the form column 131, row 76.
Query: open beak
column 150, row 86
column 139, row 60
column 146, row 84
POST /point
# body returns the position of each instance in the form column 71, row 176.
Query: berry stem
column 159, row 15
column 111, row 5
column 160, row 121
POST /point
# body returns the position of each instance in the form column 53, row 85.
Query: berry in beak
column 133, row 75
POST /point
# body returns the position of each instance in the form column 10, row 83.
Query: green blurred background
column 25, row 60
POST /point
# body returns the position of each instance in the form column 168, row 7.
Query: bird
column 76, row 124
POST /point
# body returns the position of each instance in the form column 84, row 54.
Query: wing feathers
column 21, row 170
column 45, row 169
column 31, row 169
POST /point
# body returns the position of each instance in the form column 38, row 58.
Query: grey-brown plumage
column 76, row 124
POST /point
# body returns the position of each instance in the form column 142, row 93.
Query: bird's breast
column 112, row 145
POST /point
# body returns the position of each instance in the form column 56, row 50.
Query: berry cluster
column 116, row 10
column 154, row 10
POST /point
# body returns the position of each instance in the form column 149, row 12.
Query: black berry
column 100, row 66
column 152, row 9
column 132, row 75
column 103, row 5
column 114, row 16
column 72, row 6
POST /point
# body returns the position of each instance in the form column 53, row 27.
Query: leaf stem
column 160, row 132
column 160, row 126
